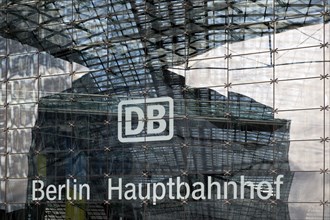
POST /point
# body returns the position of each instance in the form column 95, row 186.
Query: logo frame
column 146, row 101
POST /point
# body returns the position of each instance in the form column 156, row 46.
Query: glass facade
column 219, row 89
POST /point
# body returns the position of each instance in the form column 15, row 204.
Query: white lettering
column 278, row 182
column 110, row 188
column 199, row 191
column 128, row 124
column 209, row 188
column 51, row 189
column 34, row 190
column 186, row 189
column 155, row 195
column 225, row 188
column 248, row 183
column 268, row 191
column 152, row 119
column 130, row 193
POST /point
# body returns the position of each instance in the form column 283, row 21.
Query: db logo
column 145, row 120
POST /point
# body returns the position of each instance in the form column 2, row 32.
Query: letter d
column 128, row 124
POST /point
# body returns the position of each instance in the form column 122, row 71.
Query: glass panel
column 54, row 84
column 299, row 94
column 16, row 188
column 19, row 140
column 48, row 65
column 306, row 211
column 3, row 166
column 301, row 37
column 21, row 116
column 307, row 187
column 17, row 166
column 304, row 124
column 306, row 155
column 22, row 91
column 22, row 66
column 3, row 68
column 260, row 92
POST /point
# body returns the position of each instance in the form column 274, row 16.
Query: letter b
column 156, row 118
column 35, row 190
